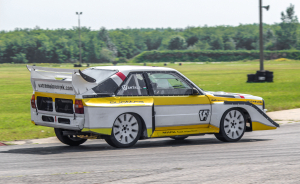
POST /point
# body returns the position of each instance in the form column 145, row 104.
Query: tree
column 139, row 41
column 106, row 56
column 20, row 58
column 153, row 40
column 192, row 40
column 177, row 43
column 269, row 40
column 2, row 49
column 287, row 37
column 104, row 36
column 61, row 50
column 217, row 43
column 230, row 44
column 44, row 49
column 246, row 37
column 95, row 48
column 124, row 43
column 201, row 45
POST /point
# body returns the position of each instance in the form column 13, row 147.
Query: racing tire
column 126, row 131
column 179, row 138
column 232, row 126
column 69, row 140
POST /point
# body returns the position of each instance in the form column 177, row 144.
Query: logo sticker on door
column 203, row 114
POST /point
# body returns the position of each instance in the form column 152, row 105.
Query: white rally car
column 123, row 104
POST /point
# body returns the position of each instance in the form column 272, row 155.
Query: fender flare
column 253, row 106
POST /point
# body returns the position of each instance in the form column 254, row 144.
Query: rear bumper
column 76, row 123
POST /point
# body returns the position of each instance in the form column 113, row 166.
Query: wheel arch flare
column 259, row 119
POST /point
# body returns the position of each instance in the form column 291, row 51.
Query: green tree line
column 62, row 45
column 211, row 55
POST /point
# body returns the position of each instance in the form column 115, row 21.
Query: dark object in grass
column 261, row 76
column 165, row 64
column 180, row 64
column 77, row 65
column 145, row 64
column 114, row 63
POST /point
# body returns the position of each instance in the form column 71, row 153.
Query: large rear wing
column 61, row 81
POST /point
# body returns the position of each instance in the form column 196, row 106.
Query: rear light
column 79, row 107
column 33, row 102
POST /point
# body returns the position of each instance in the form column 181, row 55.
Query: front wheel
column 70, row 140
column 232, row 126
column 126, row 131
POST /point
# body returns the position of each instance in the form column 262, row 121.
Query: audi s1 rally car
column 123, row 104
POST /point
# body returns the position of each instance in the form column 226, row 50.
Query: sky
column 112, row 14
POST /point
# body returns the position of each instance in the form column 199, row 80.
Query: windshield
column 99, row 74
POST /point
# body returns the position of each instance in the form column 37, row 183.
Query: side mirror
column 195, row 91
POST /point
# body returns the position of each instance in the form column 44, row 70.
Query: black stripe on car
column 255, row 107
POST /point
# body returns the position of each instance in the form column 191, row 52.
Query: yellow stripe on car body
column 184, row 130
column 54, row 95
column 181, row 100
column 118, row 101
column 259, row 126
column 104, row 131
column 214, row 99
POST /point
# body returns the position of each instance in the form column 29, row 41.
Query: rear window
column 109, row 86
column 99, row 74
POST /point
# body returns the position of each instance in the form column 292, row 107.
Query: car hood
column 233, row 95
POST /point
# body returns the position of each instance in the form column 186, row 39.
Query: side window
column 135, row 85
column 168, row 84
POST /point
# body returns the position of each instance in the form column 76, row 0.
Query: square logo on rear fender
column 203, row 114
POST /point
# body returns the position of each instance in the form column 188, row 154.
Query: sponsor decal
column 216, row 100
column 124, row 87
column 126, row 101
column 51, row 86
column 251, row 101
column 203, row 114
column 255, row 101
column 179, row 131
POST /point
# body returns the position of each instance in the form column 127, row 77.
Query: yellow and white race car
column 123, row 104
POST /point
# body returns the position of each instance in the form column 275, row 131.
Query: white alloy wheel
column 126, row 128
column 234, row 124
column 126, row 131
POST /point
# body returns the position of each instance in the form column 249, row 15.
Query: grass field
column 283, row 93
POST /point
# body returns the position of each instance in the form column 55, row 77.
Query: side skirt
column 184, row 130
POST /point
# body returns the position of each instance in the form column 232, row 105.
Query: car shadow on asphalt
column 48, row 149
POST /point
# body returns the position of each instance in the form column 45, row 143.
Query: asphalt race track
column 260, row 157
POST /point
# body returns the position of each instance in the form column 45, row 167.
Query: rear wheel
column 70, row 140
column 232, row 126
column 126, row 131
